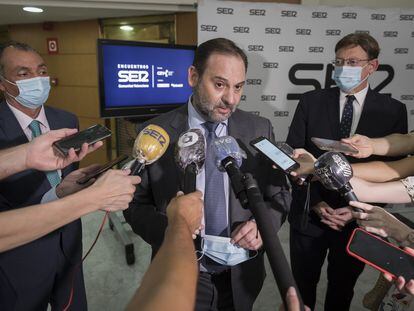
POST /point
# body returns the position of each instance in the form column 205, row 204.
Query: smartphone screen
column 333, row 145
column 275, row 154
column 90, row 135
column 380, row 254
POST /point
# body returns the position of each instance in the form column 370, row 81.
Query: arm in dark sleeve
column 143, row 216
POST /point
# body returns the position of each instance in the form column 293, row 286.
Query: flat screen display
column 142, row 79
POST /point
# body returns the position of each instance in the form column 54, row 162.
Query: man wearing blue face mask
column 335, row 113
column 40, row 272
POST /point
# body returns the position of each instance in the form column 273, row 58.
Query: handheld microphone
column 229, row 158
column 150, row 144
column 190, row 156
column 334, row 173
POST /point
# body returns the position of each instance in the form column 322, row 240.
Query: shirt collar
column 360, row 96
column 24, row 120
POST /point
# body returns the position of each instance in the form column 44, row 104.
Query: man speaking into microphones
column 217, row 77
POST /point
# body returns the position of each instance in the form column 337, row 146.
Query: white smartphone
column 333, row 145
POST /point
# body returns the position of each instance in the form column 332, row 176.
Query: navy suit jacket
column 162, row 180
column 38, row 259
column 317, row 115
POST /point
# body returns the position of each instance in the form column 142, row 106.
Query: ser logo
column 303, row 32
column 305, row 67
column 241, row 29
column 349, row 15
column 267, row 65
column 133, row 76
column 255, row 48
column 378, row 17
column 254, row 81
column 268, row 98
column 406, row 17
column 315, row 49
column 228, row 11
column 210, row 28
column 409, row 67
column 333, row 32
column 401, row 51
column 407, row 97
column 391, row 34
column 281, row 113
column 285, row 13
column 273, row 31
column 257, row 12
column 319, row 14
column 286, row 48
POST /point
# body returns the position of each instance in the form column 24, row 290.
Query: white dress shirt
column 358, row 105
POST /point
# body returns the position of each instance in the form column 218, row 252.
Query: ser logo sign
column 286, row 48
column 319, row 14
column 303, row 32
column 210, row 28
column 333, row 32
column 267, row 65
column 256, row 12
column 349, row 15
column 133, row 76
column 255, row 48
column 273, row 31
column 268, row 98
column 227, row 11
column 328, row 80
column 285, row 13
column 378, row 17
column 241, row 29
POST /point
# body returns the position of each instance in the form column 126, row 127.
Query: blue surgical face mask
column 33, row 92
column 348, row 78
column 223, row 252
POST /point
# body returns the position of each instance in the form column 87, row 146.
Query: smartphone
column 90, row 136
column 380, row 254
column 275, row 154
column 101, row 170
column 333, row 145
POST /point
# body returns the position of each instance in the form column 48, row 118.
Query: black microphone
column 334, row 173
column 190, row 156
column 229, row 158
column 271, row 243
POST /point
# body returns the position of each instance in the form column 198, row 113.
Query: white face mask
column 33, row 92
column 348, row 78
column 223, row 252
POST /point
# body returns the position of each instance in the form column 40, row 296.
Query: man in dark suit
column 334, row 114
column 40, row 272
column 217, row 76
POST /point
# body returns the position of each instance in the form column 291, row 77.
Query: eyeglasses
column 353, row 62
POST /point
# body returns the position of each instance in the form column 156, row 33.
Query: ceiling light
column 32, row 9
column 127, row 28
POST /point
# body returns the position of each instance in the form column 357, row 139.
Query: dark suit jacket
column 163, row 179
column 37, row 259
column 317, row 115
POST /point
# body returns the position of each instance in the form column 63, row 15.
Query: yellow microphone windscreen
column 150, row 144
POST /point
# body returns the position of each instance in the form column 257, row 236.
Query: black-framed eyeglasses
column 353, row 62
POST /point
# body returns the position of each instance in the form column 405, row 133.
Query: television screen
column 142, row 79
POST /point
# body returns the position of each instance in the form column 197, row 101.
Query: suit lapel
column 364, row 123
column 10, row 127
column 333, row 111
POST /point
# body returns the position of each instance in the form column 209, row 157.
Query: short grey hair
column 14, row 44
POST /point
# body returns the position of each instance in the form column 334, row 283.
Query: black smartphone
column 275, row 154
column 101, row 170
column 333, row 145
column 380, row 254
column 90, row 136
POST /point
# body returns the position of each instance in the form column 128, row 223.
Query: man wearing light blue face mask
column 38, row 273
column 335, row 113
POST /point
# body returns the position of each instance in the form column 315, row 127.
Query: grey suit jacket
column 162, row 180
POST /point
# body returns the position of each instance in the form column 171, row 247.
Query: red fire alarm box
column 52, row 46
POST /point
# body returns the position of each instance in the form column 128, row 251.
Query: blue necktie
column 347, row 114
column 214, row 197
column 52, row 176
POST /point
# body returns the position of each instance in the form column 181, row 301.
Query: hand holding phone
column 334, row 145
column 279, row 157
column 101, row 170
column 380, row 254
column 90, row 136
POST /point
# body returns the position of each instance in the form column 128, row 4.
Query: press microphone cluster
column 334, row 172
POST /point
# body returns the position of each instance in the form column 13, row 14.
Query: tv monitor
column 138, row 79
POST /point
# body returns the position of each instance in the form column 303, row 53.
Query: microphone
column 229, row 158
column 190, row 156
column 150, row 144
column 334, row 173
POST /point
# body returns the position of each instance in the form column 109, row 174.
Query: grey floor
column 110, row 282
